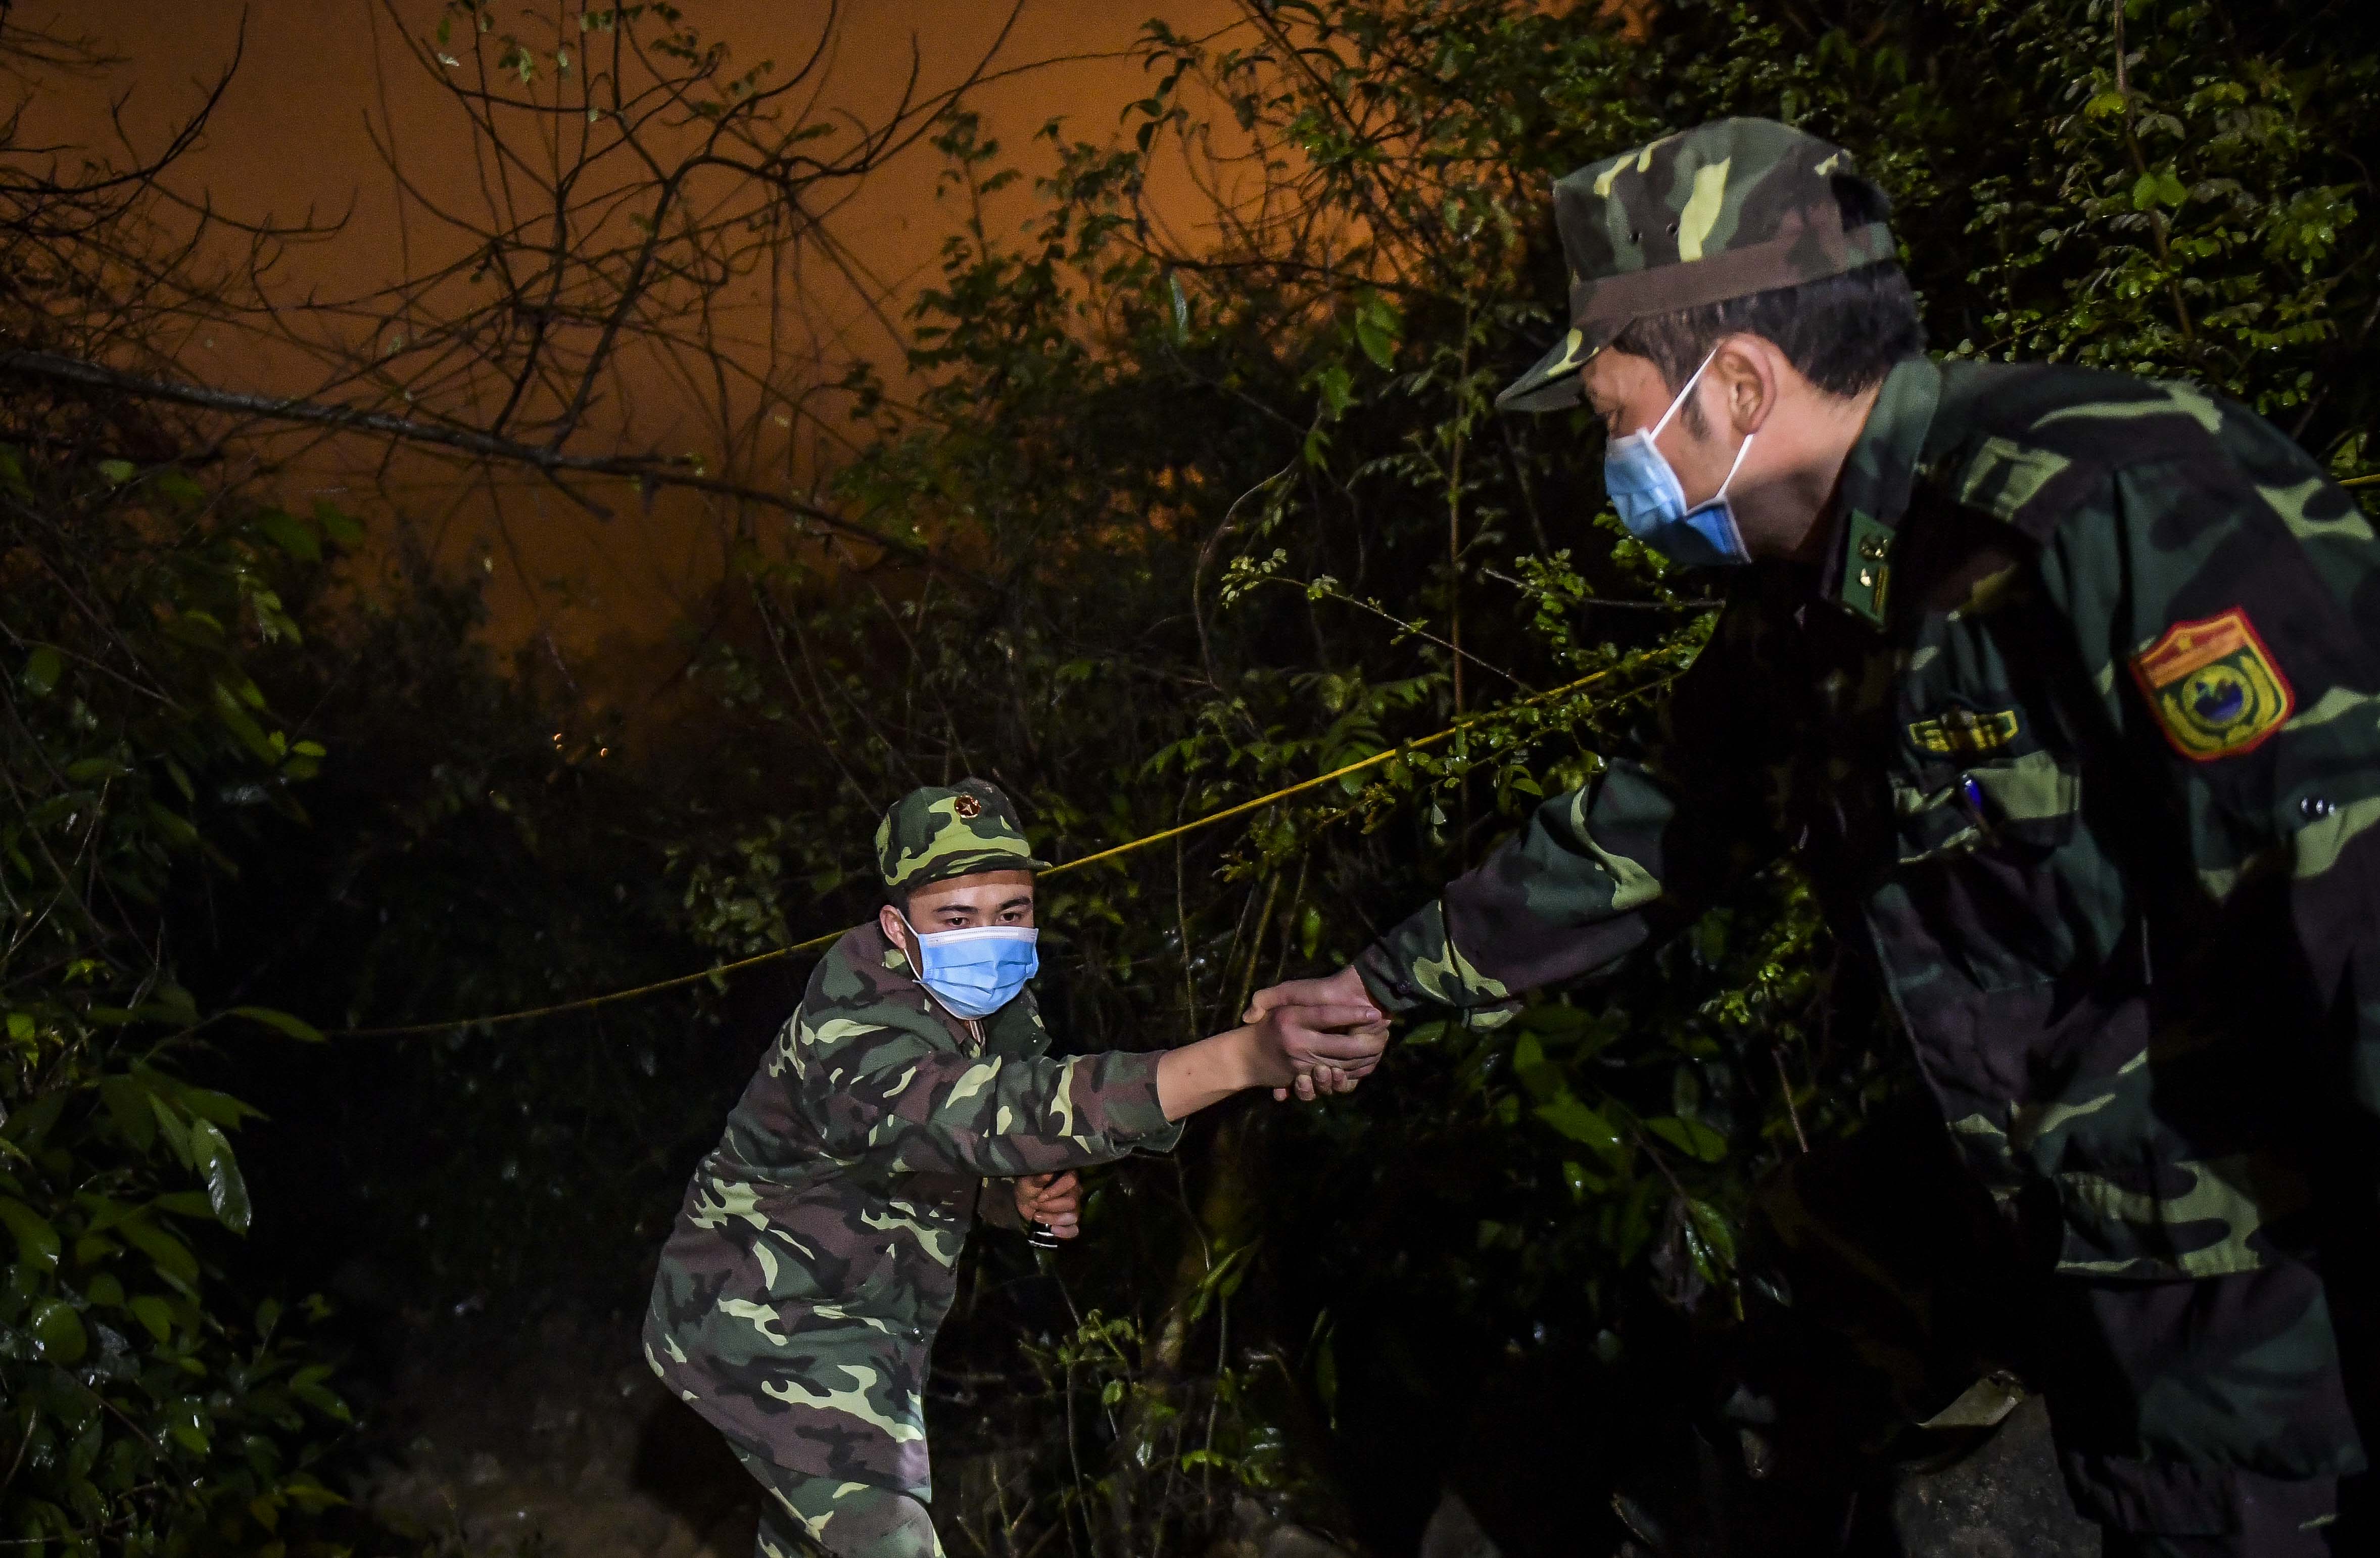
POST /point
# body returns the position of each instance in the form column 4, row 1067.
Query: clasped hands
column 1330, row 1028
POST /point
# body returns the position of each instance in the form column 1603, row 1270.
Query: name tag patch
column 2213, row 686
column 1964, row 732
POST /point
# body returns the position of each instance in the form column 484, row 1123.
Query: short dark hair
column 1842, row 333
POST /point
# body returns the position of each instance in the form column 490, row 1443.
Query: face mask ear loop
column 917, row 936
column 1695, row 378
column 1742, row 450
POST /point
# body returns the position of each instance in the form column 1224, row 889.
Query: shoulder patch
column 2213, row 686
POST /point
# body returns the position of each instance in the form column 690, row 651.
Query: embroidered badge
column 967, row 807
column 1964, row 732
column 2213, row 686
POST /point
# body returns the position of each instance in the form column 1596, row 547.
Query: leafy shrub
column 144, row 1407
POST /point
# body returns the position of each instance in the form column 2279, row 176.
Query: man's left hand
column 1054, row 1201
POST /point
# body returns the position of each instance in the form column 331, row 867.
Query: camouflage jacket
column 2077, row 733
column 816, row 1253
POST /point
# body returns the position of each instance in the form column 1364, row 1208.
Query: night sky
column 294, row 137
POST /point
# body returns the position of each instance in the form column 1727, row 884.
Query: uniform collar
column 1872, row 493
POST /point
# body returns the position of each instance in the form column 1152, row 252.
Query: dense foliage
column 1210, row 518
column 150, row 1404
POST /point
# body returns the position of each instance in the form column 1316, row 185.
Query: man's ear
column 1747, row 370
column 888, row 920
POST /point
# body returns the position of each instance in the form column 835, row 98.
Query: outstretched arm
column 1595, row 874
column 1191, row 1078
column 1266, row 1053
column 889, row 1094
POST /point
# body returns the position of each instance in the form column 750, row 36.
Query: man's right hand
column 1328, row 1059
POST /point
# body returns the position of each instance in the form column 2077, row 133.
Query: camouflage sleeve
column 889, row 1095
column 2224, row 606
column 1600, row 872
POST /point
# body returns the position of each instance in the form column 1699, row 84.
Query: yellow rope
column 591, row 1002
column 2361, row 480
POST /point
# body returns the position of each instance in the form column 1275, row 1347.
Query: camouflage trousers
column 2202, row 1419
column 2214, row 1418
column 819, row 1518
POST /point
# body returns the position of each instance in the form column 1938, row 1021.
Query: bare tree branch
column 650, row 471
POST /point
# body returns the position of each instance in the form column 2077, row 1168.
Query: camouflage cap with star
column 1721, row 211
column 937, row 832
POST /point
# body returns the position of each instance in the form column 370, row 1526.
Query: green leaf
column 1338, row 387
column 118, row 471
column 1543, row 1080
column 179, row 486
column 57, row 1330
column 291, row 534
column 1575, row 1119
column 126, row 1101
column 186, row 1421
column 222, row 1108
column 1711, row 1239
column 226, row 1189
column 280, row 1022
column 155, row 1316
column 2158, row 188
column 1378, row 325
column 178, row 1135
column 170, row 1255
column 41, row 673
column 337, row 523
column 1690, row 1137
column 37, row 1241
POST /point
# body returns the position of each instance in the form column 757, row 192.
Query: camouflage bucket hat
column 1721, row 211
column 936, row 833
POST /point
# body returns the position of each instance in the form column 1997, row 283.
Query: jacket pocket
column 2024, row 805
column 1996, row 876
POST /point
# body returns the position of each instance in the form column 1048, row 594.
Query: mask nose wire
column 920, row 936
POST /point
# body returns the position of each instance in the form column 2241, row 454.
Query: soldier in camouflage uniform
column 799, row 1295
column 2065, row 688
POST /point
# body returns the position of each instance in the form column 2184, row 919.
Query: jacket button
column 2314, row 808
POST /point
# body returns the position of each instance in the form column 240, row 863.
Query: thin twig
column 650, row 471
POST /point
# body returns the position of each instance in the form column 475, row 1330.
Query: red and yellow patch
column 2213, row 686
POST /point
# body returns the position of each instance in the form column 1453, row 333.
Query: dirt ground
column 552, row 1439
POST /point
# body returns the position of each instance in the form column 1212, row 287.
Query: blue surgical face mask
column 977, row 971
column 1653, row 504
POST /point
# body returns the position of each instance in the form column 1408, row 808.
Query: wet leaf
column 1691, row 1136
column 37, row 1241
column 226, row 1188
column 57, row 1332
column 1582, row 1123
column 41, row 673
column 281, row 1022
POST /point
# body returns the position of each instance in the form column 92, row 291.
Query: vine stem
column 1402, row 625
